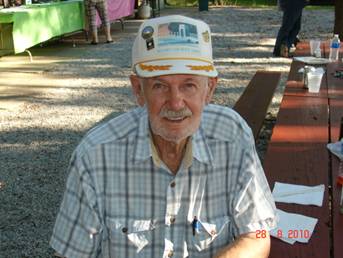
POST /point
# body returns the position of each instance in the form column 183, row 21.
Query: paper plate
column 312, row 60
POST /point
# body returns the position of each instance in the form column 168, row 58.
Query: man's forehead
column 178, row 78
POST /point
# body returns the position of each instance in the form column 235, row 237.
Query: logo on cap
column 147, row 33
column 206, row 36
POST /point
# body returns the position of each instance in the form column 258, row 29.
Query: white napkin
column 293, row 227
column 311, row 60
column 300, row 194
column 336, row 148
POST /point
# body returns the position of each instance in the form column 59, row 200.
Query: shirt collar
column 142, row 151
column 156, row 159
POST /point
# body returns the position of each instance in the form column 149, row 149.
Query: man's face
column 174, row 102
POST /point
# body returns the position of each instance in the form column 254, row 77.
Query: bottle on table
column 334, row 49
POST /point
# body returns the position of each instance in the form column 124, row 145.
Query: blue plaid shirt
column 119, row 203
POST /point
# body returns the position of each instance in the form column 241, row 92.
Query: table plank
column 293, row 74
column 335, row 85
column 336, row 112
column 303, row 49
column 253, row 103
column 295, row 86
column 297, row 154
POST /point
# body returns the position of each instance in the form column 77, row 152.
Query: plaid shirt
column 120, row 203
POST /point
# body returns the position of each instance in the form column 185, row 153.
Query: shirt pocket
column 135, row 233
column 212, row 232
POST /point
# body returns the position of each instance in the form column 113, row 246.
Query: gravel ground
column 46, row 107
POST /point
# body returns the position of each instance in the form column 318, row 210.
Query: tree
column 339, row 18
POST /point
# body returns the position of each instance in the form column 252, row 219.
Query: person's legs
column 103, row 13
column 91, row 16
column 293, row 39
column 108, row 33
column 283, row 33
column 94, row 34
column 290, row 17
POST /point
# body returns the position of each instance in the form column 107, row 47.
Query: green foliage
column 250, row 2
column 183, row 3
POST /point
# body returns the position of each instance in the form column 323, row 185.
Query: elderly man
column 176, row 177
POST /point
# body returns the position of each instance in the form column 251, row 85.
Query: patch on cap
column 206, row 36
column 147, row 34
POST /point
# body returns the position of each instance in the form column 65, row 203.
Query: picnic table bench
column 254, row 102
column 297, row 154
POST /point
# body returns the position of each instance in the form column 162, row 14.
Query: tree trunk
column 339, row 18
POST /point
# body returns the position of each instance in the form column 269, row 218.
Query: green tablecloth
column 33, row 24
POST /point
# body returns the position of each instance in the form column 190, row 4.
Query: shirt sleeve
column 77, row 229
column 253, row 204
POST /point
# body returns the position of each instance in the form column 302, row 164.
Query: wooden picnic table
column 297, row 154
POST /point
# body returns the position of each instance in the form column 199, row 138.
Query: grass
column 246, row 3
column 319, row 7
column 257, row 3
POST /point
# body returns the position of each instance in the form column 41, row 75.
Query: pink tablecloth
column 118, row 9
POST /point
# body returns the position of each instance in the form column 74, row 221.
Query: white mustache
column 170, row 114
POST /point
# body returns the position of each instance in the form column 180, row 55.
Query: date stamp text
column 292, row 233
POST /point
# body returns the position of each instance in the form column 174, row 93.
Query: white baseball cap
column 173, row 44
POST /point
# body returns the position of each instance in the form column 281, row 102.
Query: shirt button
column 172, row 220
column 124, row 230
column 213, row 232
column 172, row 185
column 170, row 254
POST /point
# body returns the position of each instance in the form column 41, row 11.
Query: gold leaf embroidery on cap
column 152, row 68
column 206, row 36
column 201, row 67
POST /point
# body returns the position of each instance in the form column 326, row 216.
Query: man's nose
column 176, row 100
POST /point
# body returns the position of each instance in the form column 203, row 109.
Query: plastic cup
column 315, row 47
column 314, row 80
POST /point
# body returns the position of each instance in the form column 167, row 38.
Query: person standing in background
column 290, row 27
column 100, row 6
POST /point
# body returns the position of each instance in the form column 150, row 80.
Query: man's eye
column 157, row 86
column 189, row 86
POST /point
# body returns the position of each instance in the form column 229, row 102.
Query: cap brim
column 175, row 66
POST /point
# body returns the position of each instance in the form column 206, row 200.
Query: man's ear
column 137, row 89
column 212, row 83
